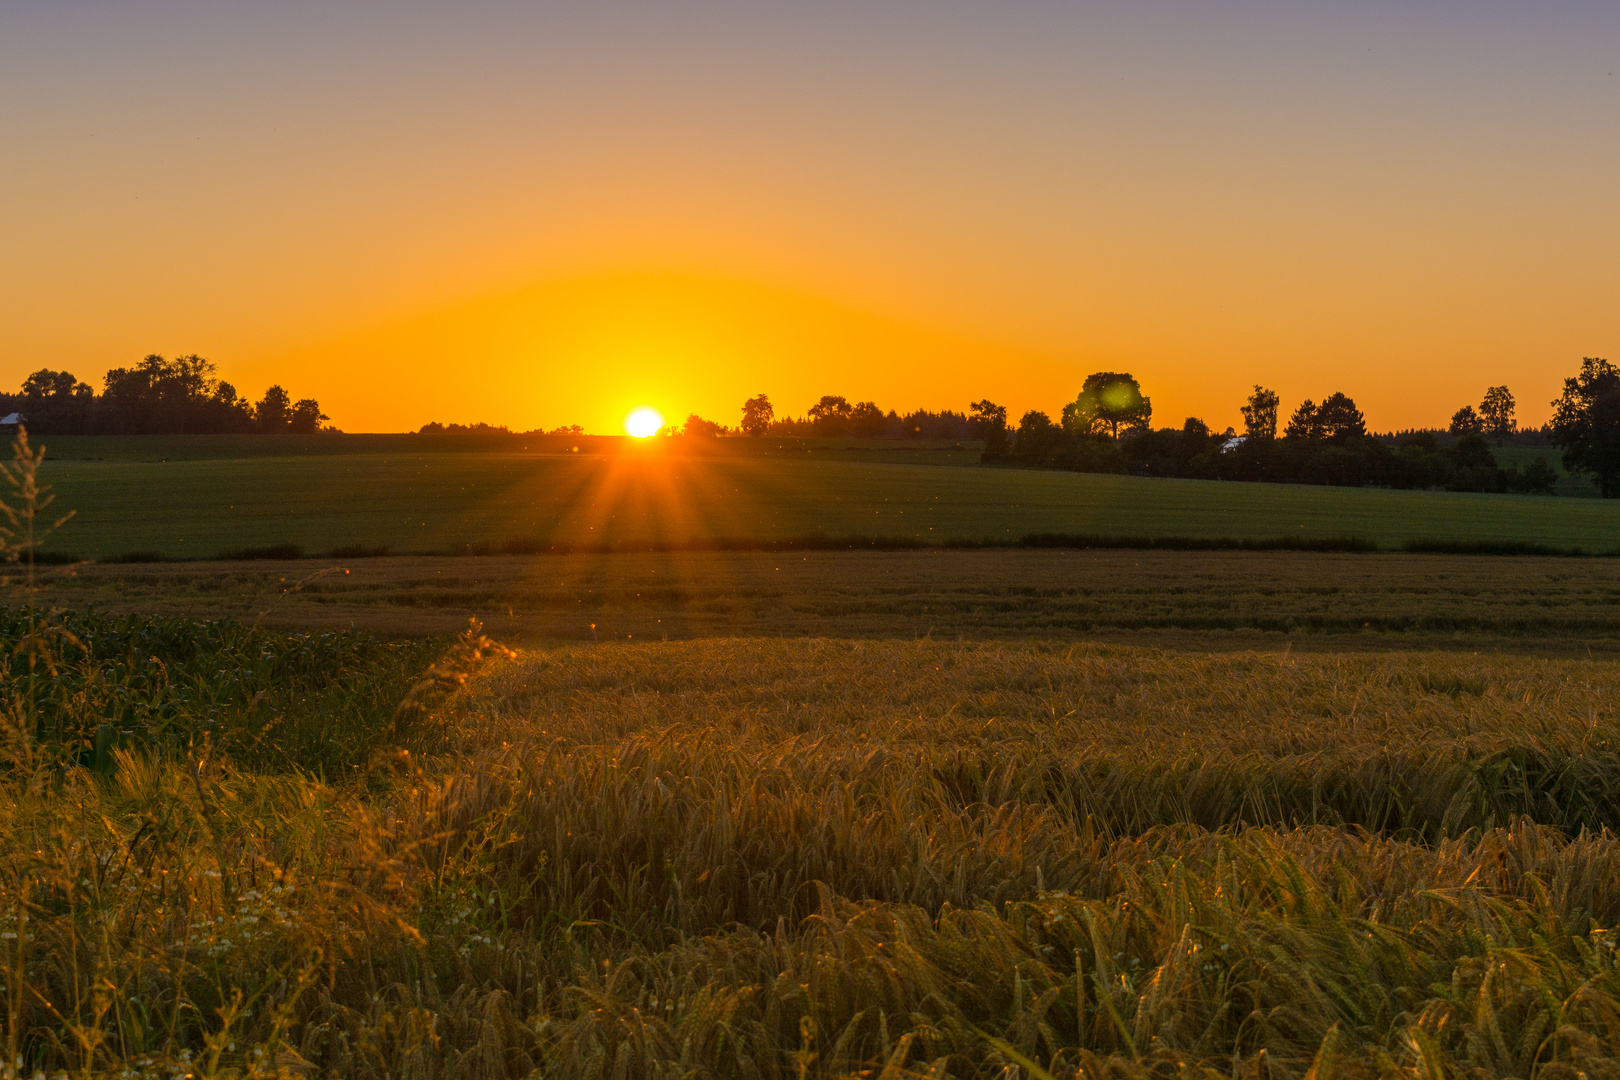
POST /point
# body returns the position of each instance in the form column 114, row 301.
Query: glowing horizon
column 511, row 215
column 643, row 422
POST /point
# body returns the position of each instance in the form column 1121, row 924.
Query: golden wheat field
column 828, row 857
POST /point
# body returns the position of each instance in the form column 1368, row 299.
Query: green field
column 414, row 501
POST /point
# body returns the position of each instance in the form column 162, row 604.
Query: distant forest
column 156, row 397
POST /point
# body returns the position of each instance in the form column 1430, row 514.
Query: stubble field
column 1222, row 599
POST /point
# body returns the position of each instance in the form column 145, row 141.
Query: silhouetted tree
column 1465, row 421
column 1339, row 419
column 1335, row 420
column 703, row 429
column 273, row 413
column 154, row 396
column 1496, row 412
column 866, row 420
column 46, row 383
column 987, row 414
column 172, row 396
column 757, row 415
column 1108, row 400
column 990, row 420
column 1260, row 415
column 1039, row 441
column 1586, row 423
column 54, row 402
column 1303, row 423
column 830, row 415
column 306, row 417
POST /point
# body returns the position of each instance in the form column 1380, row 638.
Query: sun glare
column 644, row 423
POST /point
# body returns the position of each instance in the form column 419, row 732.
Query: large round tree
column 1586, row 423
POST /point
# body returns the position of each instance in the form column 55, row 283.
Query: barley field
column 819, row 857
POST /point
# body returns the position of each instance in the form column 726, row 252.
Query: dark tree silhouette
column 1260, row 414
column 987, row 414
column 1335, row 420
column 703, row 429
column 171, row 396
column 1108, row 400
column 273, row 413
column 306, row 417
column 757, row 415
column 1496, row 413
column 866, row 420
column 55, row 402
column 154, row 396
column 46, row 383
column 1339, row 419
column 990, row 420
column 1303, row 423
column 1586, row 423
column 1465, row 421
column 830, row 415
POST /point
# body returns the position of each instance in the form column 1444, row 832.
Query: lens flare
column 643, row 423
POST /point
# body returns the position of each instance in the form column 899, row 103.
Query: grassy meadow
column 977, row 813
column 230, row 494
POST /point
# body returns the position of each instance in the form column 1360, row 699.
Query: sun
column 644, row 423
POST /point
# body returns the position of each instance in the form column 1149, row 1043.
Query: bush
column 320, row 702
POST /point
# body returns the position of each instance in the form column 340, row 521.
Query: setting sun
column 644, row 423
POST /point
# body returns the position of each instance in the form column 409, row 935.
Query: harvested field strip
column 1539, row 602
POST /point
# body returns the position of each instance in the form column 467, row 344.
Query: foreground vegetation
column 825, row 858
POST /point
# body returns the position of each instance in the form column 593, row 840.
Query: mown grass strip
column 817, row 542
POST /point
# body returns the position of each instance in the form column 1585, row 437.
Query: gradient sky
column 537, row 214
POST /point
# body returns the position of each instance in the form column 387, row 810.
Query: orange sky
column 537, row 216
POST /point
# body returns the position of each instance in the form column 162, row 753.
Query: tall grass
column 322, row 702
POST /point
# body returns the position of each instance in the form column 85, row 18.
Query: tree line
column 1108, row 428
column 835, row 417
column 183, row 396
